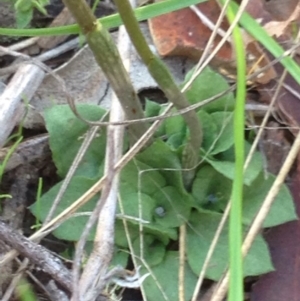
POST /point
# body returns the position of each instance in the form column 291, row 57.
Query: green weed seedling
column 152, row 194
column 151, row 189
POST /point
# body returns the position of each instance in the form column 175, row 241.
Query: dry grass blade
column 81, row 152
column 23, row 44
column 93, row 276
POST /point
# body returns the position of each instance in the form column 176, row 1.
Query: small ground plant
column 160, row 194
column 153, row 200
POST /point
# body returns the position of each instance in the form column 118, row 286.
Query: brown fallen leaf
column 287, row 104
column 277, row 17
column 257, row 60
column 183, row 33
column 277, row 29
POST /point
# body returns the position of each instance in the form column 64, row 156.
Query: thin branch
column 37, row 254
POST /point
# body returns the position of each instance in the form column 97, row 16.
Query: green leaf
column 176, row 141
column 174, row 125
column 225, row 165
column 161, row 131
column 282, row 210
column 209, row 129
column 23, row 18
column 160, row 156
column 211, row 189
column 152, row 108
column 161, row 233
column 155, row 229
column 120, row 258
column 227, row 169
column 24, row 11
column 153, row 250
column 208, row 84
column 67, row 132
column 217, row 131
column 134, row 201
column 166, row 274
column 120, row 235
column 39, row 5
column 73, row 227
column 140, row 177
column 203, row 226
column 225, row 138
column 23, row 5
column 172, row 208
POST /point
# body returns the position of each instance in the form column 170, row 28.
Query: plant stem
column 163, row 77
column 111, row 21
column 108, row 58
column 236, row 289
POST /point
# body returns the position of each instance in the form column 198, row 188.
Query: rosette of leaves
column 152, row 192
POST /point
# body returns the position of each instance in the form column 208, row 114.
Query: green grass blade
column 236, row 291
column 142, row 13
column 8, row 155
